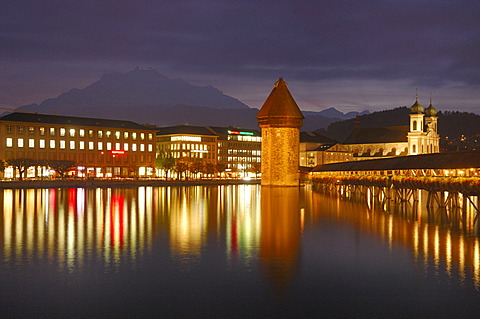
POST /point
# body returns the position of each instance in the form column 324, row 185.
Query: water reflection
column 442, row 241
column 71, row 227
column 256, row 227
column 280, row 235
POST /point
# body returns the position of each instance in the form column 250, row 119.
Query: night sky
column 352, row 55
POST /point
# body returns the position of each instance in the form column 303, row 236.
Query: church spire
column 431, row 111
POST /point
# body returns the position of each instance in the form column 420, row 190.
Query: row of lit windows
column 245, row 138
column 192, row 155
column 81, row 145
column 82, row 133
column 248, row 159
column 250, row 152
column 200, row 147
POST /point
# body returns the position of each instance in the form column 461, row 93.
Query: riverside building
column 316, row 149
column 99, row 147
column 233, row 152
column 419, row 137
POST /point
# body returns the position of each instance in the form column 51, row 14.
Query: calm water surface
column 231, row 251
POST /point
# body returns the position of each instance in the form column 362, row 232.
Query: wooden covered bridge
column 451, row 179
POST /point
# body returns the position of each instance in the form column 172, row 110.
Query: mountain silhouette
column 122, row 96
column 143, row 95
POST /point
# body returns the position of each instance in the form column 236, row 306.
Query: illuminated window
column 109, row 146
column 81, row 145
column 142, row 147
column 125, row 146
column 72, row 132
column 72, row 145
column 100, row 146
column 52, row 131
column 117, row 146
column 134, row 147
column 42, row 131
column 150, row 147
column 62, row 132
column 31, row 142
column 9, row 142
column 134, row 136
column 117, row 135
column 81, row 132
column 142, row 136
column 31, row 130
column 108, row 134
column 20, row 129
column 100, row 134
column 52, row 143
column 91, row 145
column 20, row 142
column 62, row 144
column 125, row 135
column 150, row 136
column 41, row 143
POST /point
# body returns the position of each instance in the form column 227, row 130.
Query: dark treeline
column 451, row 124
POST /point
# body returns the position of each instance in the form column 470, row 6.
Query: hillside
column 450, row 124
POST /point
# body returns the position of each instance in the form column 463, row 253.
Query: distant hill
column 450, row 124
column 333, row 113
column 146, row 96
column 120, row 96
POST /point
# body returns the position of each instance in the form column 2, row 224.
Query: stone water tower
column 280, row 120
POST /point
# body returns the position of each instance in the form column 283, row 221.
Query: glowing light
column 117, row 152
column 239, row 133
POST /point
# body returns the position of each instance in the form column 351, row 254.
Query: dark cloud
column 431, row 44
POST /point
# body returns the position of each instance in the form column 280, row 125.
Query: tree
column 21, row 164
column 256, row 168
column 61, row 166
column 196, row 167
column 210, row 169
column 3, row 165
column 166, row 162
column 181, row 166
column 220, row 168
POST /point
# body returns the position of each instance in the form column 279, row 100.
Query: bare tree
column 22, row 165
column 61, row 166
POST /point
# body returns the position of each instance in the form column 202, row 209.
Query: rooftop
column 364, row 135
column 71, row 120
column 280, row 104
column 447, row 160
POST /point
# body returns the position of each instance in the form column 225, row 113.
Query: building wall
column 98, row 151
column 239, row 153
column 280, row 156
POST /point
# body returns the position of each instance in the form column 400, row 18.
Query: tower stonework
column 280, row 120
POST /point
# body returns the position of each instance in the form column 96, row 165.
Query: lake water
column 232, row 252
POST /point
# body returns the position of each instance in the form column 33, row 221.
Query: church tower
column 415, row 135
column 280, row 120
column 432, row 139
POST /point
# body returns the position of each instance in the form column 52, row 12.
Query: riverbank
column 93, row 183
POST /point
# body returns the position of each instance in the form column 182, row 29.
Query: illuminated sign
column 186, row 138
column 239, row 133
column 117, row 152
column 198, row 151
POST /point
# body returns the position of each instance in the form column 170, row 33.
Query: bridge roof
column 448, row 160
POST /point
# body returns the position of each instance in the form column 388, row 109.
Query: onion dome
column 431, row 111
column 416, row 108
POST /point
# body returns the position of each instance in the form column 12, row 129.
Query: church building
column 419, row 137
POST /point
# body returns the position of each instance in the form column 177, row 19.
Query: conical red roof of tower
column 280, row 104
